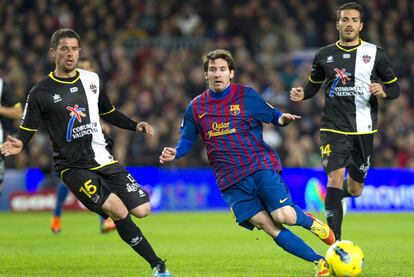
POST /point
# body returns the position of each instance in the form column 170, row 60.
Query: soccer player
column 105, row 224
column 11, row 108
column 351, row 69
column 70, row 102
column 228, row 117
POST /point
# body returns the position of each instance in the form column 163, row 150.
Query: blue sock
column 296, row 246
column 61, row 193
column 302, row 219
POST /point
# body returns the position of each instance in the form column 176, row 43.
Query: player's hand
column 287, row 118
column 12, row 146
column 145, row 127
column 297, row 94
column 377, row 90
column 168, row 154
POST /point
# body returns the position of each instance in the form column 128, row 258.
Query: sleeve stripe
column 315, row 82
column 110, row 111
column 27, row 129
column 392, row 81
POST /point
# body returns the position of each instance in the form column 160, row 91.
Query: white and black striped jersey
column 349, row 107
column 7, row 99
column 70, row 110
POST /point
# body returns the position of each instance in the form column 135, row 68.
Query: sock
column 345, row 192
column 302, row 219
column 61, row 193
column 101, row 220
column 333, row 207
column 291, row 243
column 132, row 235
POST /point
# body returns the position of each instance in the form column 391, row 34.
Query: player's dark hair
column 63, row 33
column 218, row 54
column 350, row 6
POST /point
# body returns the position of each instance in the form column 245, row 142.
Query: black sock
column 132, row 235
column 345, row 192
column 333, row 207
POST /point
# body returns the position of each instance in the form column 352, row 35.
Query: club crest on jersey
column 235, row 109
column 93, row 88
column 366, row 58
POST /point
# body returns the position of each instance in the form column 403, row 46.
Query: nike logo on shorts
column 283, row 200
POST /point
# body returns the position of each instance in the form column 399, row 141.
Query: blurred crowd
column 149, row 56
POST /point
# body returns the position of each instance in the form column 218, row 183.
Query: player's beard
column 349, row 38
column 69, row 69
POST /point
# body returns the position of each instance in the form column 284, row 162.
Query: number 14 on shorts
column 325, row 150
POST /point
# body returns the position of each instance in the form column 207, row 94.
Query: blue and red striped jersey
column 230, row 126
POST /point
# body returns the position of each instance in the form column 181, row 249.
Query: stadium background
column 149, row 56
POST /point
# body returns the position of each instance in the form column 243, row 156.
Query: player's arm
column 264, row 112
column 390, row 89
column 13, row 112
column 188, row 135
column 10, row 108
column 110, row 114
column 315, row 81
column 28, row 127
column 298, row 93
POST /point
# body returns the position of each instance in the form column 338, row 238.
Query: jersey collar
column 221, row 95
column 65, row 80
column 350, row 49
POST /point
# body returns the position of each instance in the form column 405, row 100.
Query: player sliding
column 228, row 117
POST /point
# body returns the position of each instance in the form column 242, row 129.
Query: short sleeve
column 383, row 68
column 317, row 75
column 32, row 113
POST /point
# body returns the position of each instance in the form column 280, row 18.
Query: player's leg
column 351, row 187
column 333, row 204
column 249, row 212
column 276, row 198
column 92, row 189
column 284, row 238
column 128, row 230
column 336, row 156
column 363, row 148
column 61, row 194
column 137, row 202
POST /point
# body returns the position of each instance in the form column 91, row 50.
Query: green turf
column 195, row 244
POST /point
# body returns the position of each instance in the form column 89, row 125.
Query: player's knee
column 142, row 210
column 117, row 212
column 355, row 188
column 115, row 208
column 355, row 191
column 285, row 215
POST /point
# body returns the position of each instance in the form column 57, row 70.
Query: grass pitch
column 195, row 244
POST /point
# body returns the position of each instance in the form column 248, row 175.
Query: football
column 345, row 258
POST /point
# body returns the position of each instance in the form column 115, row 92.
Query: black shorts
column 353, row 152
column 92, row 187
